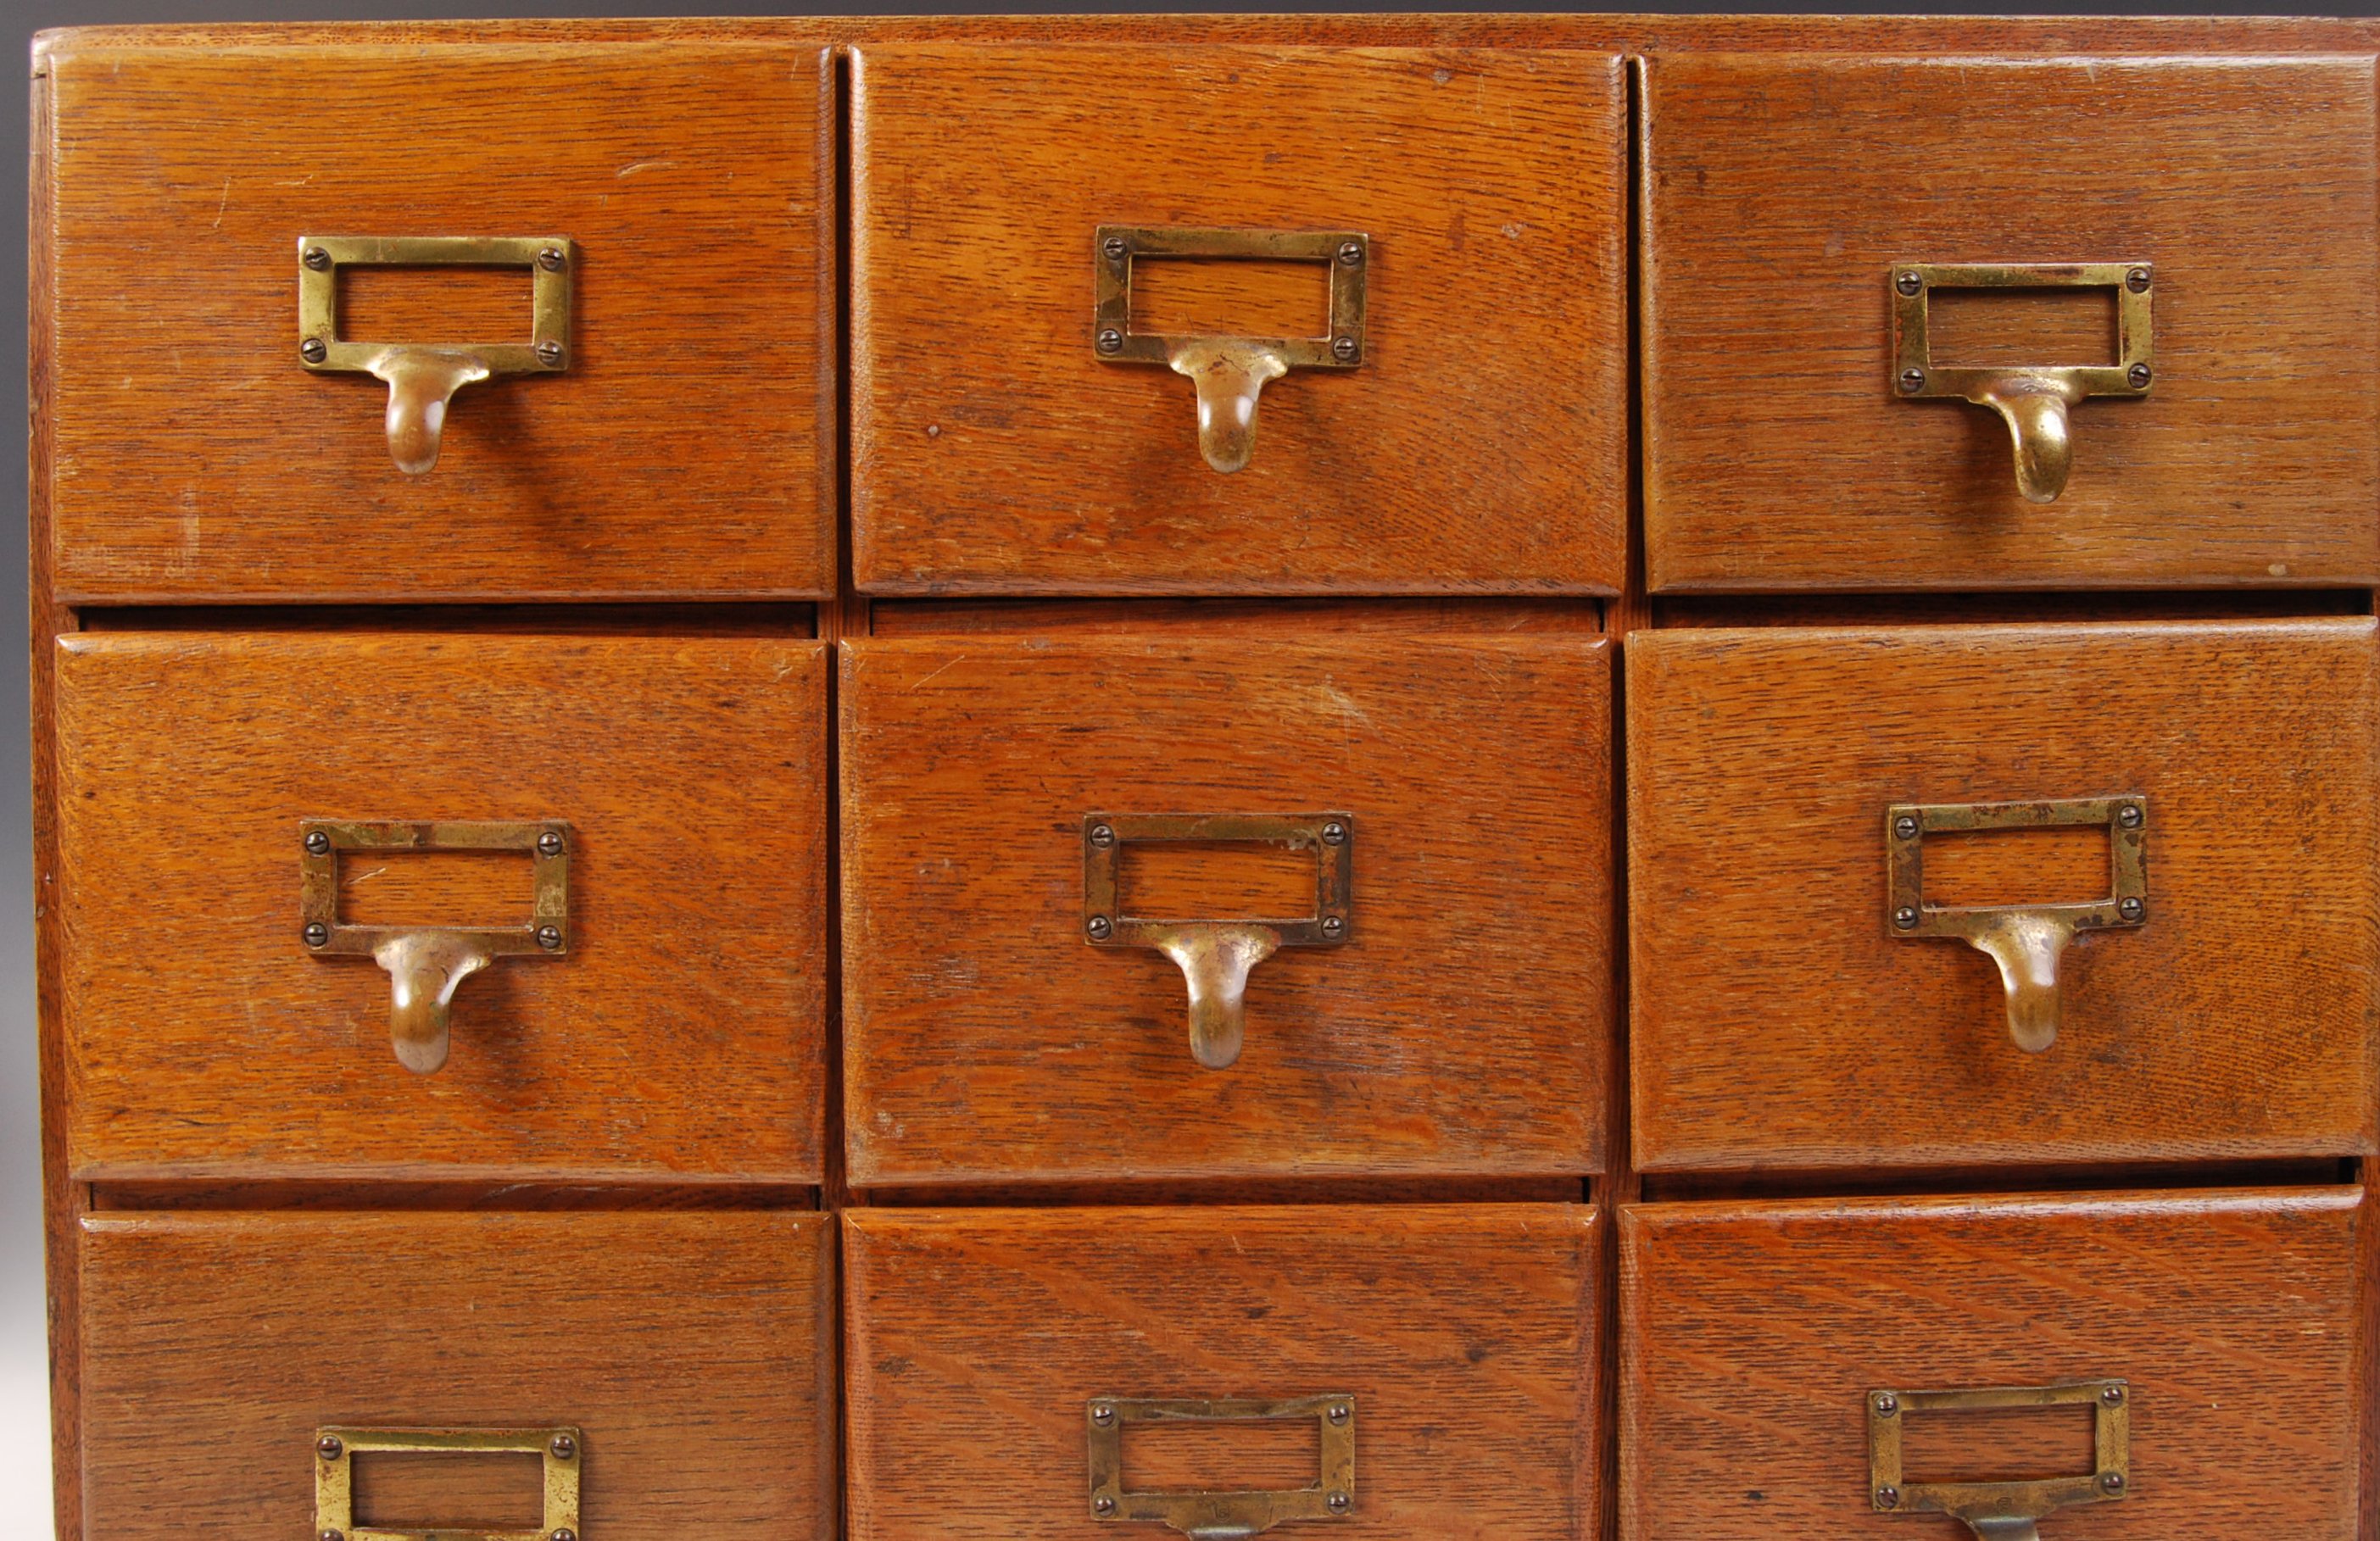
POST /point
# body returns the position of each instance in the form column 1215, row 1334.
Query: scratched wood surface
column 694, row 1353
column 1463, row 1029
column 687, row 450
column 1776, row 1021
column 1479, row 447
column 1751, row 1334
column 1465, row 1335
column 680, row 1037
column 1778, row 191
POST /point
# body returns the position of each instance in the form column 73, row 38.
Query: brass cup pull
column 2001, row 1510
column 1228, row 373
column 1223, row 1516
column 423, row 376
column 2033, row 400
column 1215, row 955
column 2027, row 941
column 426, row 964
column 560, row 1452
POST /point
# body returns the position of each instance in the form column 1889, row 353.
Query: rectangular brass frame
column 549, row 875
column 2111, row 1442
column 317, row 297
column 1112, row 308
column 1912, row 349
column 1245, row 1512
column 1905, row 862
column 334, row 1484
column 1334, row 871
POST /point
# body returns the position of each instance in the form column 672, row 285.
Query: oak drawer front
column 676, row 438
column 2228, row 204
column 1829, row 829
column 2215, row 1333
column 1443, row 276
column 240, row 1004
column 1426, row 821
column 683, row 1362
column 1441, row 1357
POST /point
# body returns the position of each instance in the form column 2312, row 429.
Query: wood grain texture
column 1479, row 447
column 681, row 1036
column 1239, row 617
column 1778, row 1021
column 1751, row 1334
column 692, row 1350
column 1780, row 189
column 1465, row 1336
column 687, row 452
column 1463, row 1028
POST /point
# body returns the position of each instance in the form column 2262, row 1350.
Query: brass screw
column 331, row 1535
column 316, row 934
column 2132, row 909
column 2113, row 1396
column 548, row 352
column 1909, row 283
column 1102, row 836
column 548, row 937
column 563, row 1533
column 551, row 259
column 1905, row 827
column 1912, row 380
column 563, row 1447
column 1343, row 349
column 1888, row 1498
column 312, row 350
column 1103, row 1505
column 2137, row 280
column 1334, row 833
column 548, row 843
column 1102, row 1414
column 1351, row 252
column 1332, row 925
column 1341, row 1413
column 2129, row 816
column 1339, row 1502
column 2112, row 1481
column 328, row 1446
column 1115, row 248
column 1886, row 1403
column 317, row 258
column 1099, row 928
column 2139, row 375
column 1110, row 341
column 1905, row 917
column 318, row 843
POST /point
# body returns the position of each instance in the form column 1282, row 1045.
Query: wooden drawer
column 1787, row 198
column 682, row 447
column 1756, row 1338
column 1786, row 1012
column 1443, row 1357
column 1445, row 799
column 674, row 1027
column 1469, row 434
column 683, row 1360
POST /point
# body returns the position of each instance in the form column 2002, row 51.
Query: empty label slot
column 2002, row 868
column 1215, row 880
column 2013, row 1444
column 1262, row 1455
column 437, row 888
column 435, row 304
column 1973, row 328
column 443, row 1490
column 1189, row 297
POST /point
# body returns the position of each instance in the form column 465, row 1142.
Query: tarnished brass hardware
column 1216, row 955
column 1229, row 372
column 1224, row 1516
column 425, row 962
column 2027, row 941
column 335, row 1447
column 2001, row 1510
column 2032, row 399
column 423, row 376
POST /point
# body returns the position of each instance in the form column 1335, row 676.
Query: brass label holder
column 2033, row 399
column 2027, row 941
column 2001, row 1510
column 1223, row 1516
column 1216, row 955
column 425, row 963
column 336, row 1446
column 1227, row 373
column 423, row 376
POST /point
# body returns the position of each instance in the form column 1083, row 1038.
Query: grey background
column 24, row 1436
